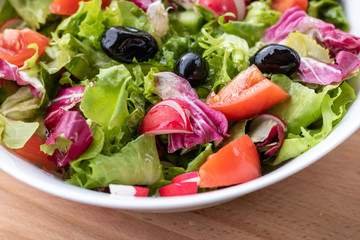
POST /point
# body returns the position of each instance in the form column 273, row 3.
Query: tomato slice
column 31, row 152
column 283, row 5
column 14, row 45
column 248, row 94
column 69, row 7
column 236, row 162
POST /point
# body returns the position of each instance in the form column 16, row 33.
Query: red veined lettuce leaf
column 11, row 72
column 208, row 124
column 314, row 71
column 324, row 33
column 66, row 100
column 72, row 126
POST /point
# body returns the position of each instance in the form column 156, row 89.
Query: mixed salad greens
column 176, row 97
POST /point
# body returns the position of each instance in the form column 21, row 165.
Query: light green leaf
column 14, row 134
column 305, row 46
column 136, row 164
column 34, row 12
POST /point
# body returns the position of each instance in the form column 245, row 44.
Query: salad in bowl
column 160, row 99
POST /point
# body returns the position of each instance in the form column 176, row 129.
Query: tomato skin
column 14, row 45
column 248, row 94
column 69, row 7
column 31, row 152
column 235, row 163
column 283, row 5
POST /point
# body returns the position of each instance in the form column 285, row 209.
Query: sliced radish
column 241, row 9
column 219, row 8
column 126, row 190
column 165, row 117
column 187, row 177
column 267, row 116
column 268, row 132
column 11, row 23
column 178, row 189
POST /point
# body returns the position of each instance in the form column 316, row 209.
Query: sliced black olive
column 192, row 67
column 275, row 58
column 123, row 44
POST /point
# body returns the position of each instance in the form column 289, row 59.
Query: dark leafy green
column 330, row 11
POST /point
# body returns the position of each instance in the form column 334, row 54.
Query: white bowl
column 46, row 182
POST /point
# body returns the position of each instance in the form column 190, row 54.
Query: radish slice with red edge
column 187, row 177
column 267, row 116
column 126, row 190
column 268, row 133
column 165, row 117
column 178, row 189
column 219, row 8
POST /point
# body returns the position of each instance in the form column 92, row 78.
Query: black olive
column 275, row 58
column 123, row 44
column 192, row 67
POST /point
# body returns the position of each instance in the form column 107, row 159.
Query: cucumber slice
column 187, row 21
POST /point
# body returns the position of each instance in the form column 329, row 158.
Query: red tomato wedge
column 283, row 5
column 236, row 162
column 69, row 7
column 31, row 152
column 168, row 116
column 14, row 45
column 248, row 94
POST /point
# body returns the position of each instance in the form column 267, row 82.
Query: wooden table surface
column 320, row 202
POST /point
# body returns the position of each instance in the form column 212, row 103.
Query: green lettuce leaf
column 295, row 111
column 22, row 105
column 330, row 11
column 62, row 143
column 202, row 153
column 172, row 172
column 333, row 108
column 149, row 87
column 77, row 57
column 86, row 24
column 125, row 13
column 136, row 164
column 14, row 134
column 105, row 103
column 237, row 130
column 136, row 101
column 34, row 12
column 227, row 55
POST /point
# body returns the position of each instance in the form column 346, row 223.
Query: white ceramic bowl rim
column 46, row 182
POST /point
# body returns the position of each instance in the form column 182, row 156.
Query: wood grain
column 321, row 202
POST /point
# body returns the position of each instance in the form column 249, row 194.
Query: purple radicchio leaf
column 11, row 72
column 208, row 124
column 348, row 63
column 268, row 133
column 286, row 25
column 66, row 100
column 75, row 129
column 143, row 4
column 324, row 33
column 314, row 71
